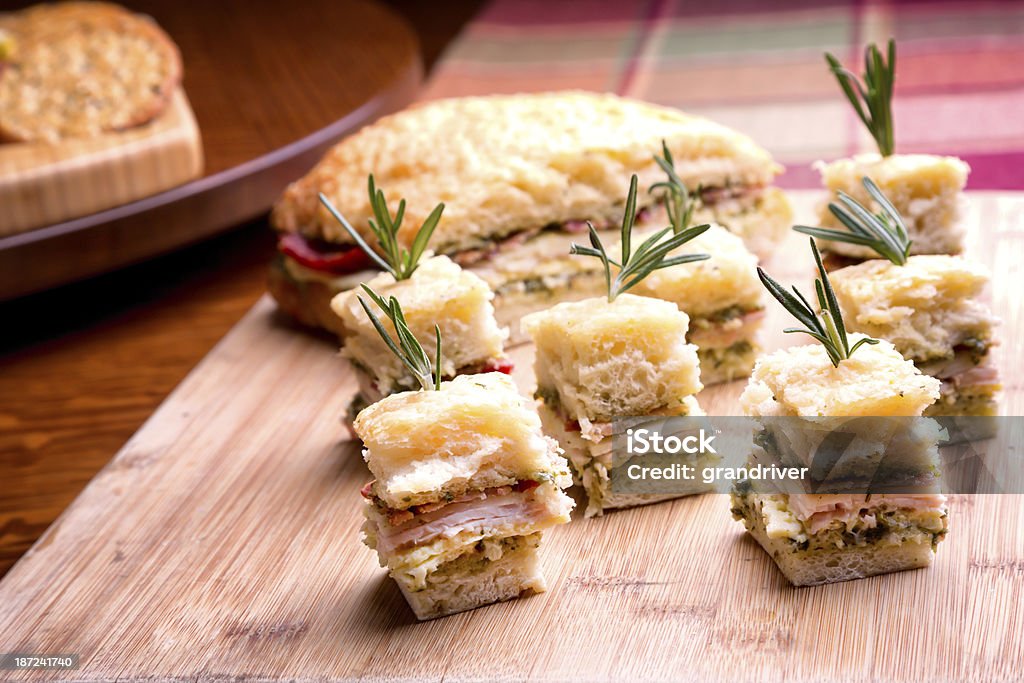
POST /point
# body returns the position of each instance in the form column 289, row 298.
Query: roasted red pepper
column 324, row 258
column 504, row 366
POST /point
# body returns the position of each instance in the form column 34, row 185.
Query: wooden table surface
column 82, row 367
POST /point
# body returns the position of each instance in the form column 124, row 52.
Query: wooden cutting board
column 42, row 183
column 223, row 541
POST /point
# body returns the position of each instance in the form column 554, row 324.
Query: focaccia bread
column 80, row 69
column 819, row 538
column 438, row 293
column 476, row 433
column 600, row 361
column 520, row 177
column 931, row 310
column 926, row 190
column 506, row 164
column 801, row 381
column 926, row 307
column 722, row 297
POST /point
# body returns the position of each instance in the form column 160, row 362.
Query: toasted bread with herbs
column 81, row 69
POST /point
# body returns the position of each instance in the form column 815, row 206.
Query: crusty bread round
column 80, row 69
column 504, row 163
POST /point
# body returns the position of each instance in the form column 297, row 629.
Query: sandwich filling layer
column 808, row 522
column 588, row 447
column 416, row 541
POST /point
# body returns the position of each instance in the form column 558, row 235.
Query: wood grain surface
column 222, row 541
column 271, row 90
column 82, row 366
column 42, row 183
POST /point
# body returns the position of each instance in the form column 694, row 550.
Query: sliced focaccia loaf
column 508, row 164
column 80, row 69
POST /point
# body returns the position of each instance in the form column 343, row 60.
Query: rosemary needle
column 408, row 349
column 651, row 255
column 396, row 259
column 827, row 325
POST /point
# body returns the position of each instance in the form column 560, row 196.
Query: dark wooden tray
column 272, row 86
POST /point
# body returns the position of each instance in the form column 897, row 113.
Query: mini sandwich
column 828, row 537
column 433, row 292
column 603, row 362
column 465, row 483
column 520, row 176
column 721, row 295
column 928, row 306
column 927, row 190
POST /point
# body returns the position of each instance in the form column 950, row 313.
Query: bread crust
column 309, row 302
column 507, row 163
column 97, row 38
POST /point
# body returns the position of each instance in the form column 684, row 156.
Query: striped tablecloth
column 758, row 67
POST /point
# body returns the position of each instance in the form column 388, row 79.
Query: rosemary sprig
column 679, row 203
column 651, row 255
column 397, row 260
column 407, row 349
column 883, row 232
column 827, row 325
column 872, row 100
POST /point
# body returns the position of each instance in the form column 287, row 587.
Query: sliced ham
column 977, row 376
column 473, row 513
column 818, row 511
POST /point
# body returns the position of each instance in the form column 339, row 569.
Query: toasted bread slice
column 80, row 69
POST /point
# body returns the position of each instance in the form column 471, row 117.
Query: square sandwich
column 438, row 292
column 723, row 299
column 599, row 363
column 822, row 538
column 927, row 190
column 930, row 308
column 465, row 483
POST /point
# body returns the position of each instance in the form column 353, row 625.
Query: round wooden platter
column 272, row 86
